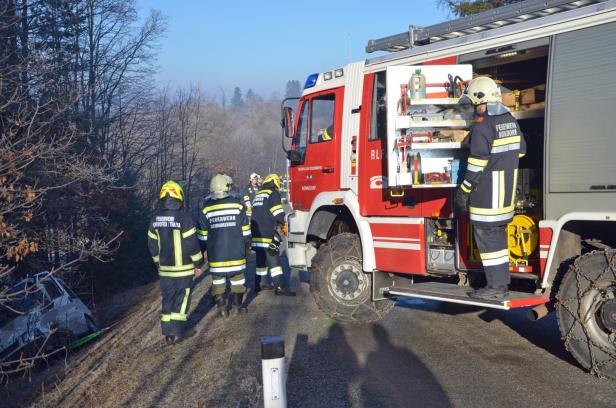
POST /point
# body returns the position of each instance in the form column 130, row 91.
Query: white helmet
column 483, row 90
column 254, row 175
column 220, row 185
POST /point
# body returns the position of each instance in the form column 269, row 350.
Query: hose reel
column 522, row 237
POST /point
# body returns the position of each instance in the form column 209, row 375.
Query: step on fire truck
column 374, row 167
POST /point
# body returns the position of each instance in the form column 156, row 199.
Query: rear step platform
column 447, row 292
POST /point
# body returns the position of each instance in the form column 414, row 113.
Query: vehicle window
column 322, row 119
column 378, row 127
column 50, row 286
column 68, row 289
column 302, row 131
column 25, row 297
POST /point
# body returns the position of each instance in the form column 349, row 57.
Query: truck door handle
column 327, row 170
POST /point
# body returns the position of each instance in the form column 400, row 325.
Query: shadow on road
column 543, row 333
column 391, row 376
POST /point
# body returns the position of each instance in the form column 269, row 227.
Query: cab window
column 378, row 128
column 322, row 119
column 302, row 131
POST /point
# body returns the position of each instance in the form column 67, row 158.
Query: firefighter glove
column 274, row 246
column 462, row 197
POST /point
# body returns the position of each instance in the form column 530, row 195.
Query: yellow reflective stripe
column 477, row 162
column 245, row 227
column 165, row 317
column 189, row 232
column 266, row 191
column 196, row 257
column 158, row 240
column 515, row 186
column 178, row 316
column 501, row 189
column 185, row 302
column 490, row 211
column 494, row 255
column 152, row 235
column 465, row 189
column 156, row 258
column 177, row 247
column 506, row 140
column 222, row 207
column 176, row 274
column 178, row 268
column 520, row 155
column 228, row 263
column 201, row 232
column 276, row 207
column 261, row 240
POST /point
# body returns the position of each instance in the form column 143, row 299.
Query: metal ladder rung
column 490, row 19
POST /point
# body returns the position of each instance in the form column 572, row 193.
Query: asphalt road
column 432, row 354
column 424, row 354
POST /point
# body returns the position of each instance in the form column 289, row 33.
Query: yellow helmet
column 173, row 190
column 272, row 178
column 483, row 90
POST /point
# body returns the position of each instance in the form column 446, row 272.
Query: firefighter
column 224, row 233
column 266, row 223
column 325, row 135
column 173, row 244
column 488, row 190
column 251, row 191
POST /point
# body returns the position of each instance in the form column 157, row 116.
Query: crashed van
column 40, row 310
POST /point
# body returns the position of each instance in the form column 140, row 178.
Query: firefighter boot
column 237, row 307
column 188, row 333
column 283, row 290
column 262, row 284
column 488, row 293
column 171, row 340
column 221, row 305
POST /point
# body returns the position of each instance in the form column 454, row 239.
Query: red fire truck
column 373, row 168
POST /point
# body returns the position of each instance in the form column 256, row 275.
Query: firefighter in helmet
column 251, row 191
column 224, row 233
column 266, row 223
column 327, row 134
column 488, row 190
column 173, row 244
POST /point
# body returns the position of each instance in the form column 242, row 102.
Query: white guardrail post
column 274, row 373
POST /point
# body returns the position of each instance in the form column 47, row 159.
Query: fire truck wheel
column 340, row 287
column 586, row 311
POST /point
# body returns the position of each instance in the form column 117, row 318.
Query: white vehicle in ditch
column 40, row 310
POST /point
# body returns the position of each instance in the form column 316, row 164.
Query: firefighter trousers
column 176, row 302
column 493, row 249
column 219, row 283
column 268, row 263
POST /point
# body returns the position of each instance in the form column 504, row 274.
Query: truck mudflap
column 447, row 292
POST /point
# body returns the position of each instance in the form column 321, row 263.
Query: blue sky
column 262, row 44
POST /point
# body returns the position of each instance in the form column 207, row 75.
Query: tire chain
column 567, row 338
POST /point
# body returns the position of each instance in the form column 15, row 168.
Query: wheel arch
column 568, row 233
column 327, row 209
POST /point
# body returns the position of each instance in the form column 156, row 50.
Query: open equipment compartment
column 521, row 70
column 415, row 147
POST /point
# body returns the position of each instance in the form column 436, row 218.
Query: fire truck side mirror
column 287, row 122
column 294, row 156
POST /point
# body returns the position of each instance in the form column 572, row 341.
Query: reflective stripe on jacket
column 224, row 232
column 173, row 244
column 492, row 172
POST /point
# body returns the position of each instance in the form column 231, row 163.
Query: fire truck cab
column 373, row 171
